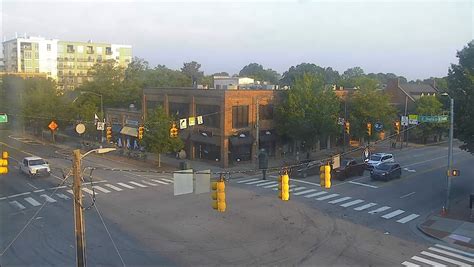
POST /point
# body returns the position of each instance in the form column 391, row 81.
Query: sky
column 415, row 39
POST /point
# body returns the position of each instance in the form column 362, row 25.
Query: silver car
column 35, row 166
column 377, row 159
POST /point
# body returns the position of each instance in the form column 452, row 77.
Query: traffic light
column 327, row 176
column 140, row 132
column 218, row 195
column 453, row 172
column 369, row 129
column 397, row 127
column 109, row 134
column 321, row 175
column 347, row 127
column 174, row 131
column 284, row 186
column 4, row 163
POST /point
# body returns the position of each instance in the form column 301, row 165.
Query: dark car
column 307, row 169
column 386, row 171
column 349, row 168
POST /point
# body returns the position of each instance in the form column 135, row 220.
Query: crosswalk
column 30, row 199
column 347, row 202
column 441, row 255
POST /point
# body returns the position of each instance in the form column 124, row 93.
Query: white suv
column 378, row 158
column 35, row 166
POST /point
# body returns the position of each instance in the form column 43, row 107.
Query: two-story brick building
column 229, row 130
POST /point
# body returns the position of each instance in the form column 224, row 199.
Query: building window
column 37, row 70
column 99, row 58
column 90, row 50
column 108, row 51
column 70, row 48
column 48, row 47
column 99, row 50
column 240, row 116
column 266, row 112
column 37, row 55
column 35, row 46
column 179, row 110
column 210, row 113
column 27, row 54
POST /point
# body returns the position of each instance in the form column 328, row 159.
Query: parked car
column 307, row 169
column 349, row 168
column 35, row 166
column 386, row 171
column 377, row 159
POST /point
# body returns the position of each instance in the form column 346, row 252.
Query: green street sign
column 433, row 119
column 3, row 118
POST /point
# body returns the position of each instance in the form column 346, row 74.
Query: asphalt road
column 151, row 226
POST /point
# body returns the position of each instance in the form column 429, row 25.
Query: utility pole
column 257, row 134
column 78, row 216
column 406, row 126
column 343, row 130
column 450, row 153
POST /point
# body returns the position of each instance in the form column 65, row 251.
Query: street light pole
column 450, row 153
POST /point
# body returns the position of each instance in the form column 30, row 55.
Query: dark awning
column 240, row 141
column 131, row 131
column 205, row 139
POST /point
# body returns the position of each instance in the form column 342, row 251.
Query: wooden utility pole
column 78, row 219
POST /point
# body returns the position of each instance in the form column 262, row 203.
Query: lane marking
column 101, row 189
column 366, row 206
column 48, row 198
column 305, row 182
column 158, row 181
column 137, row 184
column 21, row 194
column 339, row 200
column 297, row 189
column 167, row 180
column 70, row 192
column 455, row 250
column 32, row 201
column 17, row 204
column 32, row 186
column 407, row 195
column 148, row 183
column 57, row 187
column 126, row 186
column 352, row 203
column 393, row 214
column 409, row 264
column 439, row 257
column 304, row 192
column 256, row 182
column 113, row 187
column 316, row 194
column 291, row 186
column 384, row 208
column 408, row 218
column 327, row 197
column 267, row 183
column 2, row 198
column 248, row 180
column 270, row 186
column 362, row 184
column 87, row 190
column 63, row 196
column 451, row 254
column 37, row 191
column 432, row 263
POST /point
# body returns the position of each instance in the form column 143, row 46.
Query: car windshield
column 384, row 167
column 36, row 162
column 375, row 158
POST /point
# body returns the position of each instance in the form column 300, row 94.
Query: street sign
column 182, row 124
column 199, row 119
column 80, row 128
column 341, row 121
column 378, row 126
column 52, row 126
column 3, row 118
column 192, row 121
column 404, row 120
column 100, row 126
column 366, row 153
column 413, row 119
column 433, row 119
column 336, row 161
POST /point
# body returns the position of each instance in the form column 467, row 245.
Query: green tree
column 353, row 73
column 461, row 88
column 257, row 72
column 429, row 105
column 329, row 76
column 157, row 134
column 191, row 70
column 308, row 112
column 369, row 105
column 161, row 76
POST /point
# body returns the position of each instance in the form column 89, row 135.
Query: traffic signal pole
column 78, row 216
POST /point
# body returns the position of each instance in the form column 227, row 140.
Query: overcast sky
column 413, row 39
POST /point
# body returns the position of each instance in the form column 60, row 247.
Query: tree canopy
column 191, row 70
column 256, row 71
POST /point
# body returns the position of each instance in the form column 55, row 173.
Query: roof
column 382, row 154
column 33, row 158
column 418, row 88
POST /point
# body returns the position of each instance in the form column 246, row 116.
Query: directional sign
column 366, row 153
column 412, row 119
column 433, row 119
column 404, row 120
column 378, row 126
column 192, row 121
column 52, row 125
column 100, row 126
column 3, row 118
column 199, row 119
column 340, row 121
column 182, row 124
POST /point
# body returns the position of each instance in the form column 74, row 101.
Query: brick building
column 404, row 95
column 229, row 130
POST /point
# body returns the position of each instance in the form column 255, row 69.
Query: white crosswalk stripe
column 159, row 181
column 270, row 186
column 113, row 187
column 327, row 197
column 304, row 192
column 167, row 180
column 101, row 189
column 48, row 198
column 63, row 196
column 148, row 183
column 452, row 254
column 409, row 264
column 17, row 204
column 137, row 184
column 32, row 201
column 256, row 182
column 248, row 180
column 291, row 186
column 430, row 262
column 366, row 206
column 339, row 200
column 126, row 185
column 435, row 256
column 440, row 255
column 408, row 218
column 381, row 209
column 352, row 203
column 456, row 250
column 87, row 190
column 316, row 194
column 267, row 183
column 393, row 214
column 297, row 188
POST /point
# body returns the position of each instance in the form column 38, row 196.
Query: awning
column 214, row 140
column 131, row 131
column 240, row 141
